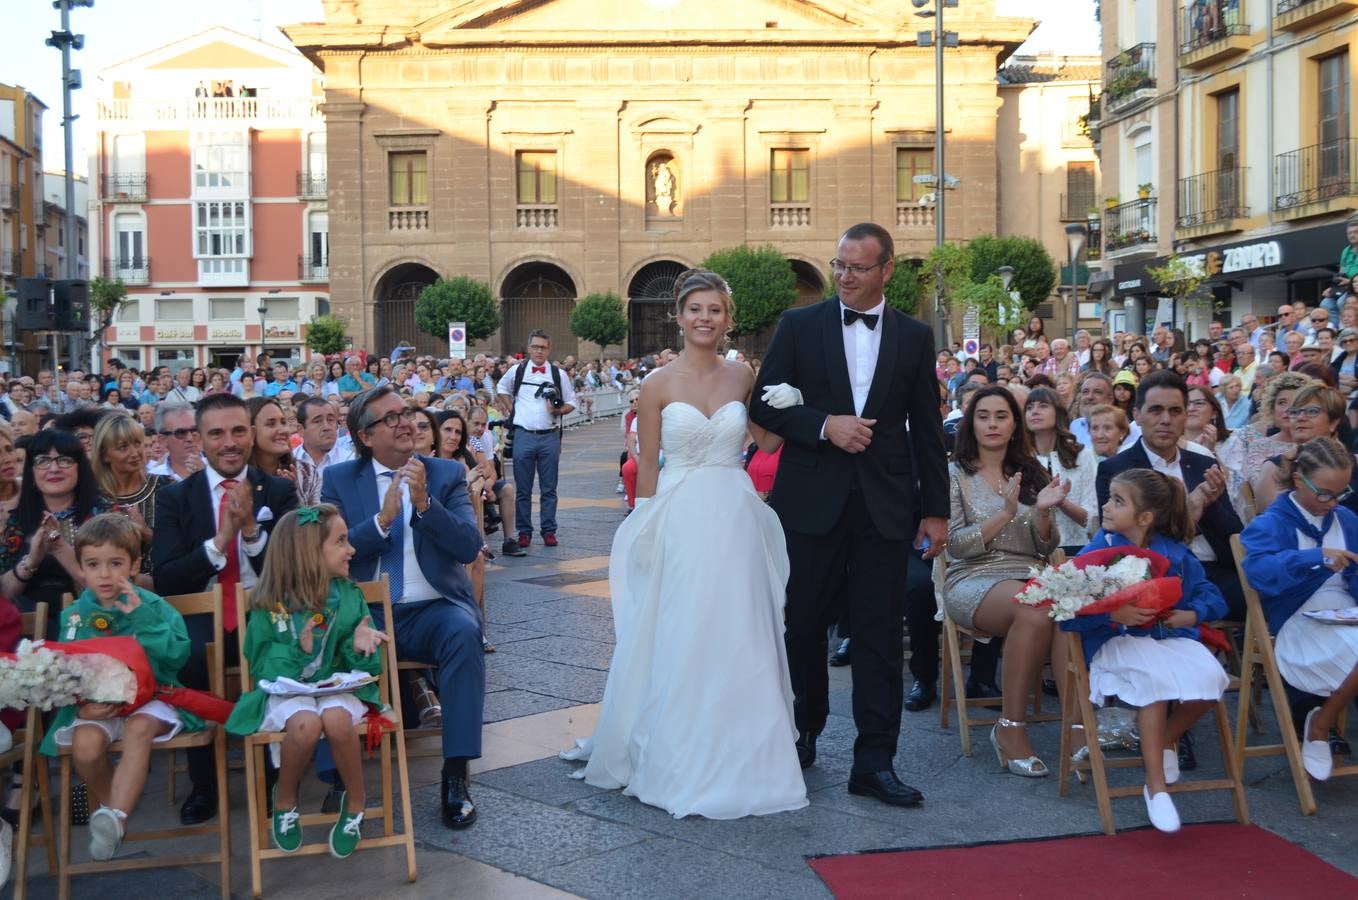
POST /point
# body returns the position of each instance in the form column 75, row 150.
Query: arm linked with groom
column 865, row 443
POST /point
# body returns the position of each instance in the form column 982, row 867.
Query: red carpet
column 1200, row 861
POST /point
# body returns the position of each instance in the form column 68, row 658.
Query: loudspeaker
column 71, row 303
column 34, row 311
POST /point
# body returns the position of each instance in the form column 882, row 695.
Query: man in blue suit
column 410, row 519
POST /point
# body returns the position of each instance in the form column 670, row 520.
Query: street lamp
column 1076, row 234
column 263, row 330
column 1006, row 276
column 938, row 39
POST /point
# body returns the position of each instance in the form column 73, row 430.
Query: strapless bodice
column 691, row 439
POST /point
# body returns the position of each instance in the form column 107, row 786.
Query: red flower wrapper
column 1158, row 594
column 1109, row 555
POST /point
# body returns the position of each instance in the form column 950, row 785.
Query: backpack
column 507, row 450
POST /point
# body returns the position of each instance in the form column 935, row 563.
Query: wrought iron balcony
column 1094, row 240
column 1129, row 225
column 124, row 187
column 1128, row 74
column 311, row 185
column 313, row 268
column 1294, row 15
column 133, row 270
column 1315, row 174
column 1212, row 30
column 1211, row 198
column 9, row 197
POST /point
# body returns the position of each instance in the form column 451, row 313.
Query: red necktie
column 229, row 576
column 539, row 370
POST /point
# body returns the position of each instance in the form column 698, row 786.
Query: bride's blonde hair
column 703, row 280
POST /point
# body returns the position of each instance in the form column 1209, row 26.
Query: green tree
column 946, row 272
column 599, row 318
column 326, row 334
column 459, row 299
column 993, row 307
column 107, row 296
column 1183, row 280
column 762, row 284
column 1035, row 272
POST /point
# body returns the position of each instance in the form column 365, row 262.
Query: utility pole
column 938, row 39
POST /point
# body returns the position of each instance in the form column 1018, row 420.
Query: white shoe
column 1315, row 755
column 6, row 851
column 1161, row 810
column 106, row 833
column 1171, row 766
column 620, row 489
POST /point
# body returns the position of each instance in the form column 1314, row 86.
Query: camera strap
column 521, row 372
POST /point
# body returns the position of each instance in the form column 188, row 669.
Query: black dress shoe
column 806, row 749
column 1188, row 761
column 841, row 655
column 458, row 809
column 512, row 548
column 921, row 696
column 885, row 786
column 198, row 808
column 982, row 690
column 1339, row 746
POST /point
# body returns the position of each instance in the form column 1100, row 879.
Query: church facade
column 558, row 148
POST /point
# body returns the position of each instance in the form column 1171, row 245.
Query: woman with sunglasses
column 1301, row 554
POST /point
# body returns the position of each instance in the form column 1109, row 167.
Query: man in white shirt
column 184, row 456
column 540, row 394
column 320, row 434
column 183, row 391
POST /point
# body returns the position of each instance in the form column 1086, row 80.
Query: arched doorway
column 650, row 301
column 810, row 283
column 394, row 315
column 537, row 295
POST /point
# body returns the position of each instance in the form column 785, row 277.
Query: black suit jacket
column 1218, row 521
column 184, row 520
column 814, row 476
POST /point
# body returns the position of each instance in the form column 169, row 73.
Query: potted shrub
column 1144, row 190
column 1110, row 202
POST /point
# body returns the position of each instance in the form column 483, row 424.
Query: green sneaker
column 287, row 827
column 347, row 830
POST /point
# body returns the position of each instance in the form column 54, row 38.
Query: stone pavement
column 544, row 834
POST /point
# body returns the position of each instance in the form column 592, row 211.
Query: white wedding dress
column 697, row 712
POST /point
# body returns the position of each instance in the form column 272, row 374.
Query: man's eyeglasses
column 392, row 419
column 42, row 463
column 1327, row 496
column 181, row 434
column 840, row 267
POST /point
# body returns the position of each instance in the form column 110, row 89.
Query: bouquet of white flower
column 45, row 675
column 1101, row 581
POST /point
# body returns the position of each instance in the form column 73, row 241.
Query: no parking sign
column 457, row 340
column 971, row 347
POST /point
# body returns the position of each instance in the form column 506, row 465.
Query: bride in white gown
column 697, row 712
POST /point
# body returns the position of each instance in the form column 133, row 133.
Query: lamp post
column 938, row 39
column 1076, row 234
column 263, row 330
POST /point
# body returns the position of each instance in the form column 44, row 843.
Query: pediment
column 218, row 55
column 672, row 17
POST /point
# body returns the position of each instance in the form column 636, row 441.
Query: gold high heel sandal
column 1032, row 767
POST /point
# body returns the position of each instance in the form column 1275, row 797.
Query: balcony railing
column 536, row 216
column 1211, row 198
column 311, row 185
column 182, row 108
column 1315, row 174
column 124, row 186
column 909, row 214
column 9, row 198
column 789, row 215
column 407, row 218
column 313, row 268
column 1076, row 207
column 1129, row 73
column 1129, row 225
column 131, row 269
column 10, row 262
column 1204, row 23
column 1294, row 15
column 1094, row 240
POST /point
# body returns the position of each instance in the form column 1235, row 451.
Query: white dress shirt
column 529, row 411
column 244, row 548
column 861, row 346
column 1201, row 549
column 343, row 451
column 417, row 587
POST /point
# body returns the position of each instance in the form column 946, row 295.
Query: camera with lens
column 549, row 393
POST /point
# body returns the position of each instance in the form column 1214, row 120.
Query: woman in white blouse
column 1060, row 454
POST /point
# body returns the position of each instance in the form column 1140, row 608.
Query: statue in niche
column 664, row 186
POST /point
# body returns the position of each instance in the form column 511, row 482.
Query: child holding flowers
column 1148, row 659
column 108, row 551
column 307, row 621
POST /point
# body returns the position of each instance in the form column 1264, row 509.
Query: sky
column 116, row 30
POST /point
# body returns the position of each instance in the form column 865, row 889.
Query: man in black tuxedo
column 845, row 492
column 213, row 528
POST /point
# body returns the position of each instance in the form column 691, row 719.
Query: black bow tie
column 853, row 315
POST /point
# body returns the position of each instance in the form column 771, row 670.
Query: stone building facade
column 557, row 148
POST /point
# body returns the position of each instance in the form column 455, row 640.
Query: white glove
column 781, row 396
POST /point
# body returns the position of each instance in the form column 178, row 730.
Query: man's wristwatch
column 250, row 538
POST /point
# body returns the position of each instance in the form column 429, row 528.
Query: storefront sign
column 1229, row 260
column 126, row 334
column 174, row 332
column 1131, row 284
column 226, row 333
column 281, row 331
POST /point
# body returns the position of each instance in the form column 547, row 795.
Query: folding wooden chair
column 1078, row 712
column 954, row 656
column 1258, row 653
column 376, row 593
column 213, row 735
column 24, row 751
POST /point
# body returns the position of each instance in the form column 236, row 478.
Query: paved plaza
column 542, row 834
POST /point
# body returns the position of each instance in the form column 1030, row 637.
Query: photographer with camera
column 539, row 395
